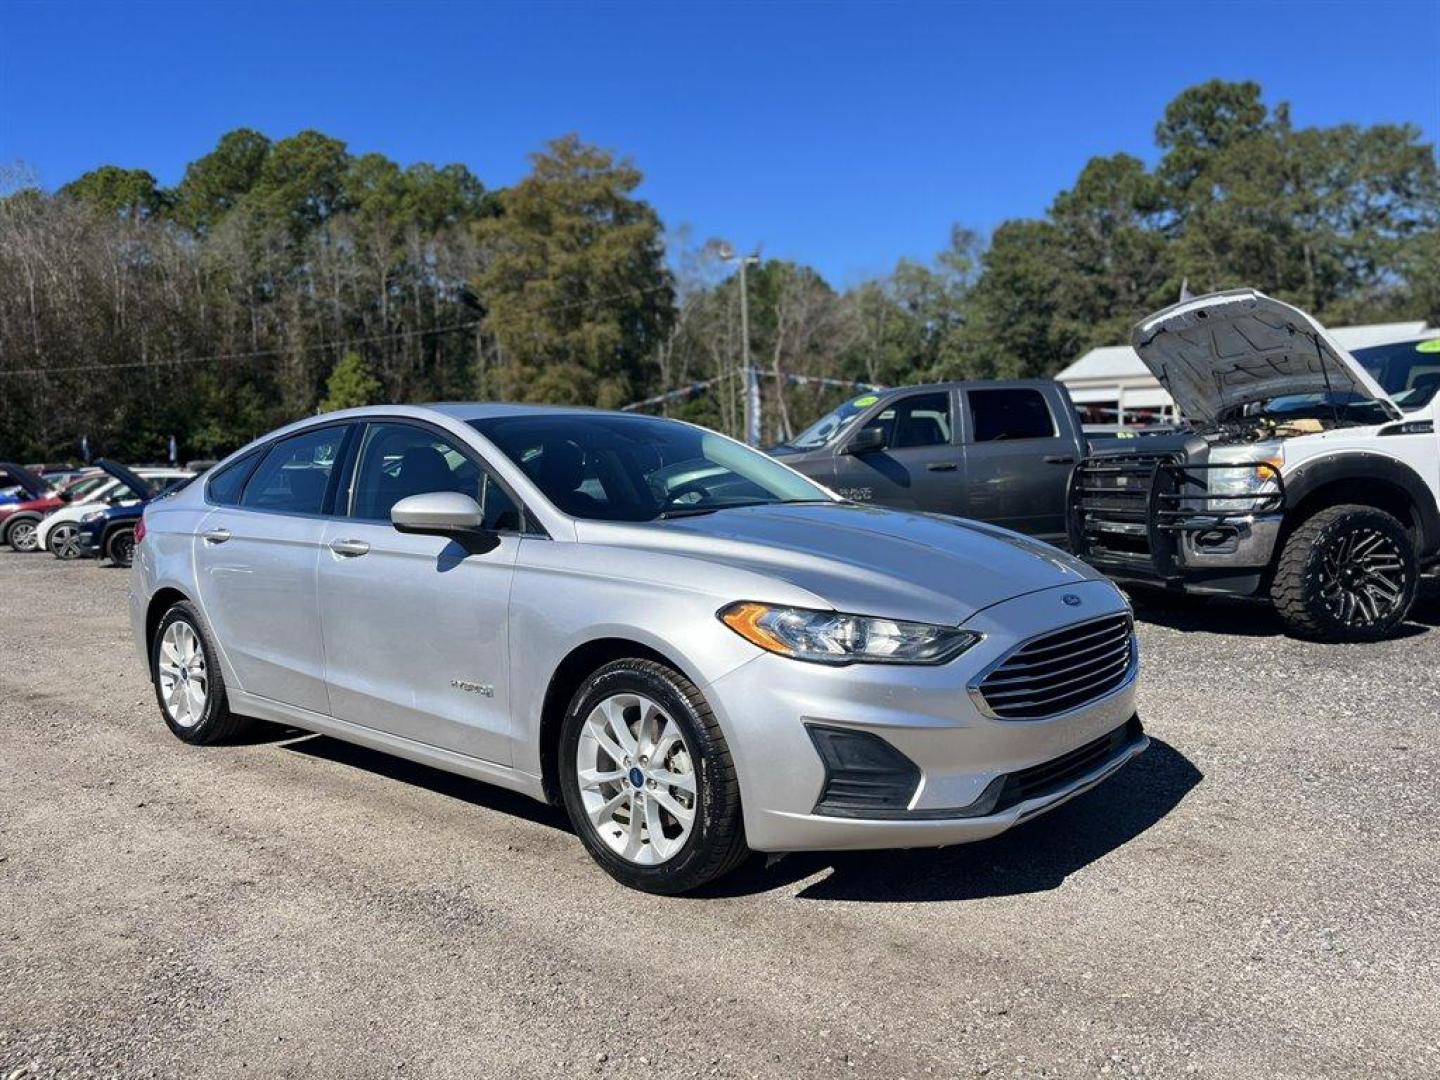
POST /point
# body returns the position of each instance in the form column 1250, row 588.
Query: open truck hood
column 1218, row 352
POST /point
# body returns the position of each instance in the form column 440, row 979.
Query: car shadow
column 1256, row 618
column 1034, row 857
column 451, row 785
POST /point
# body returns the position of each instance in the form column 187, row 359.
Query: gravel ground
column 1258, row 896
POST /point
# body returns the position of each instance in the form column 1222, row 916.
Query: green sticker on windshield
column 1433, row 345
column 862, row 402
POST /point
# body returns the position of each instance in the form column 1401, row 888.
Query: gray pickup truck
column 1000, row 452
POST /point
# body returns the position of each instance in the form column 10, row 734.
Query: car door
column 1017, row 460
column 255, row 559
column 416, row 627
column 918, row 464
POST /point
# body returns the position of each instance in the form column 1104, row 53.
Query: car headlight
column 829, row 637
column 94, row 515
column 1248, row 476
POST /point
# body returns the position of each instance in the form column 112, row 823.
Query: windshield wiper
column 696, row 511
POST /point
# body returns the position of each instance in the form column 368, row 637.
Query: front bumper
column 768, row 706
column 89, row 544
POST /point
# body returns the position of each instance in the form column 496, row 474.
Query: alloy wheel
column 1362, row 577
column 637, row 779
column 184, row 682
column 122, row 549
column 22, row 536
column 64, row 542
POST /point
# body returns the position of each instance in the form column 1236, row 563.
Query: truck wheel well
column 160, row 603
column 1370, row 491
column 571, row 672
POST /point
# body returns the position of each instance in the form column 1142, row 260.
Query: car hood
column 133, row 481
column 33, row 486
column 1217, row 352
column 863, row 559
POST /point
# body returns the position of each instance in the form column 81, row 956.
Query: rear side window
column 225, row 486
column 295, row 473
column 1010, row 414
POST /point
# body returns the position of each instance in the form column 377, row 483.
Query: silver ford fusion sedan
column 694, row 649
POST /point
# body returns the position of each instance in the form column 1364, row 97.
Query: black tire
column 716, row 844
column 20, row 532
column 216, row 722
column 1305, row 589
column 61, row 541
column 120, row 546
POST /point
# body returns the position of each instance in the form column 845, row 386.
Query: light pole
column 752, row 378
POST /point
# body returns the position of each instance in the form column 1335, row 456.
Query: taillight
column 140, row 530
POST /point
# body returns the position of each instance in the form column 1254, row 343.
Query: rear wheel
column 648, row 781
column 64, row 541
column 120, row 547
column 188, row 683
column 1348, row 573
column 20, row 534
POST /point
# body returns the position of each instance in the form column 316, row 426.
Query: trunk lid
column 1218, row 352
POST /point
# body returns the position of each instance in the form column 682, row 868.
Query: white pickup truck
column 1312, row 475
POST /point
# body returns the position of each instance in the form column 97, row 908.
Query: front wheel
column 21, row 534
column 648, row 780
column 120, row 547
column 1348, row 573
column 64, row 541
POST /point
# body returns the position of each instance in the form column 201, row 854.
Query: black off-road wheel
column 188, row 684
column 1347, row 573
column 120, row 546
column 648, row 780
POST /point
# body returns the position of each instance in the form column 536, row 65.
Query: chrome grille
column 1060, row 671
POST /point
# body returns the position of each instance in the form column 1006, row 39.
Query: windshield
column 640, row 468
column 829, row 425
column 1409, row 371
column 1346, row 407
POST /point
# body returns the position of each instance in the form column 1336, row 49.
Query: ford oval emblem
column 1070, row 600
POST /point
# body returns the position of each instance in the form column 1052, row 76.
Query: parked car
column 1000, row 452
column 18, row 520
column 58, row 532
column 108, row 532
column 695, row 662
column 1311, row 476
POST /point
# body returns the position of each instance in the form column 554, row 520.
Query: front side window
column 400, row 460
column 295, row 472
column 637, row 468
column 832, row 423
column 918, row 420
column 1018, row 413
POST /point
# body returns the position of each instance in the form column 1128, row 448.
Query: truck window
column 1018, row 413
column 918, row 420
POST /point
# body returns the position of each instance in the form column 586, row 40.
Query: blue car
column 109, row 531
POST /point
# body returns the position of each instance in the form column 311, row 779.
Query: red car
column 37, row 498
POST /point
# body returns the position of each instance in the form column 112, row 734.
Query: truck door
column 916, row 464
column 1018, row 457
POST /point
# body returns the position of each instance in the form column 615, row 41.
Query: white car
column 59, row 531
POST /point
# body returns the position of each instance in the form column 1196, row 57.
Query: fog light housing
column 865, row 777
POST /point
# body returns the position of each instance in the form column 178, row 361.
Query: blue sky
column 842, row 135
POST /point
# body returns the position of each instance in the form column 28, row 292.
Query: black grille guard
column 1151, row 501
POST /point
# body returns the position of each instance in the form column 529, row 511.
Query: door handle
column 216, row 536
column 942, row 466
column 1058, row 459
column 349, row 548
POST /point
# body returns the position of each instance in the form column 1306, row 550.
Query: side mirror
column 440, row 513
column 866, row 440
column 64, row 496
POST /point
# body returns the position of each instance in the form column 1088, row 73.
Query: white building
column 1110, row 385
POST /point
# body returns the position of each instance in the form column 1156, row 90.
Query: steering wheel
column 690, row 487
